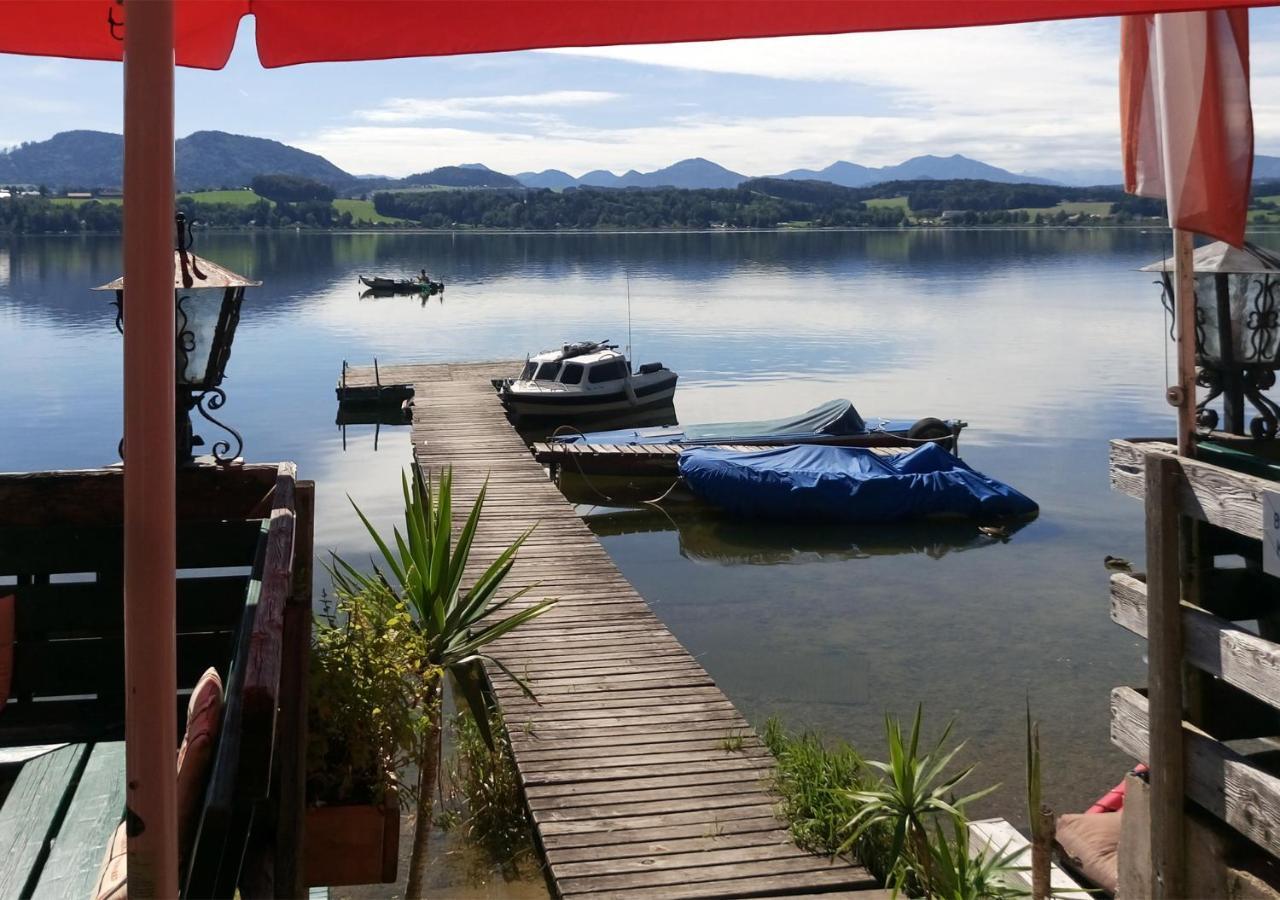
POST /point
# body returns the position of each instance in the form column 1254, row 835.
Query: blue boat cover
column 836, row 417
column 847, row 484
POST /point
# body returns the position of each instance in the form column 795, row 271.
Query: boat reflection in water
column 543, row 428
column 710, row 537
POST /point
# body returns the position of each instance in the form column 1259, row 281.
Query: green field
column 363, row 211
column 889, row 203
column 1073, row 207
column 231, row 198
column 69, row 201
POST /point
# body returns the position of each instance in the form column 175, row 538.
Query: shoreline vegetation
column 280, row 203
column 276, row 203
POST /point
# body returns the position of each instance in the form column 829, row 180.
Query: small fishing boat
column 835, row 422
column 420, row 285
column 847, row 484
column 588, row 379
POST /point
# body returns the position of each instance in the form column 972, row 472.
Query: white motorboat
column 592, row 378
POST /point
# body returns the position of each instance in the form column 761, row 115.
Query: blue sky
column 1031, row 98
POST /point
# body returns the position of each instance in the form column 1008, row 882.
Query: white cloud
column 751, row 145
column 413, row 109
column 1025, row 97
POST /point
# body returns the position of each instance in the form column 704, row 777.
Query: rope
column 569, row 429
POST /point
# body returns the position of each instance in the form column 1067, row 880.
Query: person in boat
column 422, row 276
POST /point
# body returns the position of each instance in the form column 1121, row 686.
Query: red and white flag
column 1186, row 122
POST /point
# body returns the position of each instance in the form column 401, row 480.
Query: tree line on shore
column 286, row 201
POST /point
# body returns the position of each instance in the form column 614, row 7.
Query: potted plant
column 363, row 713
column 416, row 600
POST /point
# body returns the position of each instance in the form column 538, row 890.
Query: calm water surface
column 1047, row 342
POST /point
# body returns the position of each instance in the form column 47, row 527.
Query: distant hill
column 696, row 173
column 547, row 178
column 211, row 159
column 205, row 159
column 84, row 159
column 468, row 176
column 940, row 168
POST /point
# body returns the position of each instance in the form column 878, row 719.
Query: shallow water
column 1046, row 341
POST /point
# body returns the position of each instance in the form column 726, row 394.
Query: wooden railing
column 1210, row 680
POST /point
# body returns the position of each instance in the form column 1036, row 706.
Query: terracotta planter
column 353, row 844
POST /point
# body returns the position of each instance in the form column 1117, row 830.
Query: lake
column 1047, row 342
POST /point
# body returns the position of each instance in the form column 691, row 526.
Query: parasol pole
column 150, row 543
column 1183, row 395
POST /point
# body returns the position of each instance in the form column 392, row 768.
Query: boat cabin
column 597, row 367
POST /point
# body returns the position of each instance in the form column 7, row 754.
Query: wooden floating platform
column 641, row 777
column 641, row 459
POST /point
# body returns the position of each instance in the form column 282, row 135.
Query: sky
column 1038, row 98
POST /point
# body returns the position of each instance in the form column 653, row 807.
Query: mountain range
column 216, row 159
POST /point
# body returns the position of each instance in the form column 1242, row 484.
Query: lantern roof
column 1220, row 258
column 199, row 273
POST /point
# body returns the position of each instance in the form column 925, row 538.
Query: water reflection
column 1048, row 342
column 709, row 537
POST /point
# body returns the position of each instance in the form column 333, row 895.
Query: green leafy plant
column 363, row 710
column 955, row 872
column 815, row 781
column 423, row 569
column 913, row 790
column 485, row 799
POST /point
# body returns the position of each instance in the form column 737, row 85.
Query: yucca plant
column 913, row 791
column 423, row 568
column 957, row 873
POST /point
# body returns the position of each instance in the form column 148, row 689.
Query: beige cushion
column 112, row 884
column 7, row 604
column 1090, row 841
column 195, row 758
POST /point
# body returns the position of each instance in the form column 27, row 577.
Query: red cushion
column 1090, row 841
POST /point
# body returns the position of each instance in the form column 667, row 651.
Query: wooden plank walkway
column 641, row 777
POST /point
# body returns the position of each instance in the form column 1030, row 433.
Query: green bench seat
column 57, row 818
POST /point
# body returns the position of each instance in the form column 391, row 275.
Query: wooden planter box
column 358, row 844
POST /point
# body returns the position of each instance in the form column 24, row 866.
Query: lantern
column 207, row 300
column 1237, row 332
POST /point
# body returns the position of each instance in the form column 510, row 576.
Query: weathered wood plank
column 1224, row 782
column 31, row 814
column 1162, row 477
column 1213, row 494
column 1213, row 644
column 91, row 819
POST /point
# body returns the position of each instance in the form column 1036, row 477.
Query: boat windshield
column 548, row 371
column 529, row 368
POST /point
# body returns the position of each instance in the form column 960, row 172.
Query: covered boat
column 847, row 484
column 834, row 422
column 588, row 379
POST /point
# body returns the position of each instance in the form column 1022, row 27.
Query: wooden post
column 1184, row 287
column 150, row 476
column 1042, row 854
column 1164, row 675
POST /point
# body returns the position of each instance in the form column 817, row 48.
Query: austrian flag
column 1186, row 121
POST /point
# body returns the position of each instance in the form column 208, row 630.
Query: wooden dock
column 642, row 779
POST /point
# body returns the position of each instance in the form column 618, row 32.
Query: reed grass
column 899, row 819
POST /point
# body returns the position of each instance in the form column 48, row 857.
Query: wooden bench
column 244, row 550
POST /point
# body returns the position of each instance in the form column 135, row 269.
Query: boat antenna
column 630, row 361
